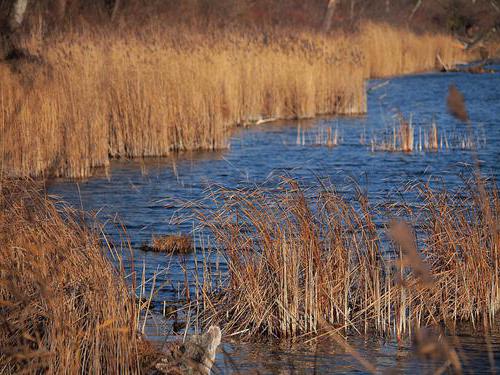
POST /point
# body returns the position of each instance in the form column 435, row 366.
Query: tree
column 327, row 23
column 415, row 9
column 116, row 7
column 60, row 9
column 10, row 30
column 16, row 15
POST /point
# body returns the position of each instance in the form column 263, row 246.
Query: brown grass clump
column 63, row 307
column 156, row 91
column 303, row 262
column 171, row 244
column 400, row 138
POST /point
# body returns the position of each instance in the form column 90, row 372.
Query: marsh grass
column 404, row 136
column 399, row 138
column 306, row 264
column 326, row 137
column 63, row 307
column 153, row 92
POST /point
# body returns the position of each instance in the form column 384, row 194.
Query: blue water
column 147, row 196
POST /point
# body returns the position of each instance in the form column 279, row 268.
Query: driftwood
column 477, row 68
column 195, row 356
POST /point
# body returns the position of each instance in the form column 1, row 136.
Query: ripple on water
column 146, row 202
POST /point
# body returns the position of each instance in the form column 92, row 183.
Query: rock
column 194, row 357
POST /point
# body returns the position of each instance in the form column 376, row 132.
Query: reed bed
column 389, row 51
column 63, row 307
column 404, row 136
column 327, row 137
column 304, row 263
column 114, row 94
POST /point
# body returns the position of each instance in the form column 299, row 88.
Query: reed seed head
column 456, row 104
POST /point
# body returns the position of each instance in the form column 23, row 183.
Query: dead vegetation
column 170, row 244
column 404, row 136
column 307, row 263
column 63, row 307
column 326, row 137
column 159, row 90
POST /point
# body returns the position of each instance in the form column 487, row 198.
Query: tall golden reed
column 303, row 263
column 112, row 95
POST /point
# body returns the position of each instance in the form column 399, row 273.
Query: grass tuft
column 170, row 244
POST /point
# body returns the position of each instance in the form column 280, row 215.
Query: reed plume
column 456, row 104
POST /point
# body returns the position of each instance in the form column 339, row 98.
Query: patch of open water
column 146, row 194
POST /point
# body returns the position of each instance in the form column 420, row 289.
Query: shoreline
column 92, row 102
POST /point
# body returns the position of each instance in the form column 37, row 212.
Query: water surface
column 146, row 195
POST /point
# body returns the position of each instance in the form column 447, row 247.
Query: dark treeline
column 458, row 16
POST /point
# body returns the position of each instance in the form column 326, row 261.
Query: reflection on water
column 145, row 195
column 325, row 357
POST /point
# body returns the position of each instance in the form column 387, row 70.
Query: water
column 146, row 195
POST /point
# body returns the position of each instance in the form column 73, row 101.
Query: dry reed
column 404, row 136
column 170, row 244
column 158, row 91
column 401, row 138
column 302, row 260
column 318, row 137
column 456, row 104
column 63, row 307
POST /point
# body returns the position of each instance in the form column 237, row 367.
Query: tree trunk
column 327, row 23
column 9, row 44
column 60, row 9
column 114, row 12
column 415, row 9
column 16, row 15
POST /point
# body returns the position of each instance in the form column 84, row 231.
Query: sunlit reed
column 98, row 96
